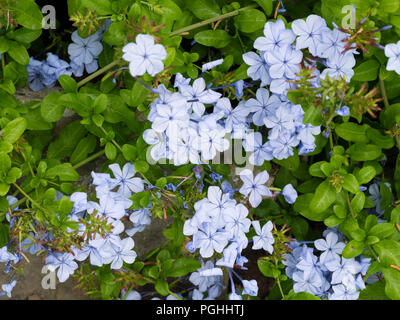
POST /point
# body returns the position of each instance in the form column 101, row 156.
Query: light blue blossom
column 125, row 179
column 259, row 68
column 212, row 64
column 7, row 288
column 250, row 287
column 284, row 61
column 144, row 56
column 264, row 238
column 392, row 51
column 120, row 253
column 65, row 264
column 343, row 111
column 340, row 67
column 331, row 248
column 263, row 106
column 276, row 36
column 309, row 32
column 254, row 187
column 289, row 193
column 208, row 239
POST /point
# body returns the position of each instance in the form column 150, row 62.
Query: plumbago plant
column 161, row 90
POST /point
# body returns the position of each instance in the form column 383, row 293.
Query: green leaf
column 302, row 296
column 14, row 174
column 116, row 34
column 110, row 150
column 302, row 206
column 340, row 211
column 350, row 131
column 141, row 166
column 5, row 163
column 266, row 5
column 364, row 152
column 4, row 189
column 250, row 20
column 170, row 10
column 64, row 171
column 389, row 252
column 357, row 203
column 315, row 169
column 390, row 6
column 324, row 196
column 383, row 141
column 162, row 287
column 14, row 130
column 333, row 221
column 35, row 120
column 353, row 249
column 83, row 149
column 366, row 174
column 102, row 7
column 4, row 235
column 382, row 230
column 350, row 183
column 19, row 53
column 66, row 141
column 386, row 194
column 213, row 38
column 28, row 14
column 24, row 35
column 138, row 94
column 392, row 283
column 268, row 269
column 68, row 83
column 50, row 109
column 375, row 291
column 129, row 152
column 391, row 115
column 183, row 266
column 366, row 71
column 204, row 9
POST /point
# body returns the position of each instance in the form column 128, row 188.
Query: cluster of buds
column 360, row 38
column 363, row 101
column 95, row 224
column 336, row 180
column 7, row 16
column 143, row 26
column 86, row 23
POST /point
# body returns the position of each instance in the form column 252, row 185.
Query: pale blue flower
column 208, row 239
column 125, row 179
column 289, row 193
column 260, row 152
column 340, row 67
column 64, row 262
column 254, row 187
column 250, row 287
column 264, row 238
column 259, row 69
column 144, row 56
column 197, row 95
column 392, row 51
column 284, row 61
column 121, row 253
column 7, row 288
column 331, row 248
column 263, row 106
column 341, row 292
column 212, row 64
column 282, row 146
column 309, row 32
column 343, row 111
column 276, row 36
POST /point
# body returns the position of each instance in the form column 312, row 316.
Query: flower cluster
column 84, row 52
column 327, row 275
column 100, row 247
column 44, row 74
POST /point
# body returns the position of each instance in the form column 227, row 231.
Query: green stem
column 173, row 294
column 383, row 92
column 274, row 189
column 112, row 140
column 97, row 73
column 373, row 253
column 88, row 159
column 349, row 203
column 29, row 198
column 208, row 21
